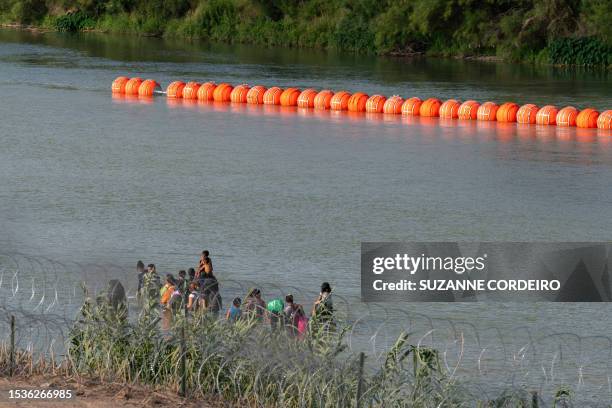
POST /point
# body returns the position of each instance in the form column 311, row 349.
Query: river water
column 286, row 196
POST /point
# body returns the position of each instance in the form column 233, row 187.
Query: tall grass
column 250, row 363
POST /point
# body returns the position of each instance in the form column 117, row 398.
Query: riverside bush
column 73, row 22
column 516, row 30
column 579, row 51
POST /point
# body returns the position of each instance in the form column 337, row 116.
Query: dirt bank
column 90, row 394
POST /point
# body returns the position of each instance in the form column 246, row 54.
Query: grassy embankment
column 248, row 364
column 540, row 31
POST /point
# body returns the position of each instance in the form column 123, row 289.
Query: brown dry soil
column 90, row 394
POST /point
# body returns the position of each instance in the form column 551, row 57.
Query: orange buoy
column 190, row 91
column 468, row 110
column 255, row 95
column 547, row 115
column 604, row 121
column 132, row 85
column 412, row 106
column 450, row 109
column 587, row 118
column 206, row 91
column 148, row 87
column 339, row 101
column 290, row 96
column 222, row 92
column 175, row 89
column 567, row 116
column 507, row 112
column 430, row 107
column 487, row 111
column 393, row 105
column 323, row 99
column 357, row 102
column 272, row 96
column 376, row 103
column 527, row 114
column 239, row 94
column 307, row 98
column 118, row 86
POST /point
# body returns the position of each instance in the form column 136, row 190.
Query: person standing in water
column 192, row 274
column 151, row 284
column 181, row 282
column 275, row 309
column 140, row 270
column 193, row 300
column 293, row 316
column 211, row 294
column 323, row 309
column 205, row 264
column 167, row 291
column 254, row 305
column 234, row 312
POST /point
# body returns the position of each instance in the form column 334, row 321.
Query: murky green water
column 286, row 196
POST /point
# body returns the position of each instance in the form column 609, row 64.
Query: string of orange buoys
column 343, row 100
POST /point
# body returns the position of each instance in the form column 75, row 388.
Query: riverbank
column 537, row 31
column 95, row 393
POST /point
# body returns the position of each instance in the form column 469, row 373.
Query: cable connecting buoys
column 376, row 103
column 487, row 111
column 272, row 96
column 290, row 96
column 175, row 89
column 507, row 112
column 357, row 102
column 118, row 86
column 412, row 106
column 587, row 118
column 339, row 101
column 450, row 109
column 190, row 91
column 393, row 105
column 604, row 121
column 360, row 102
column 323, row 99
column 307, row 98
column 255, row 96
column 239, row 94
column 430, row 107
column 222, row 92
column 206, row 91
column 527, row 114
column 132, row 85
column 567, row 116
column 468, row 110
column 148, row 88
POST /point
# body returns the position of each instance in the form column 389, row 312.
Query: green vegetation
column 550, row 31
column 248, row 364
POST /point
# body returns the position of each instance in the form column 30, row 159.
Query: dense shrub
column 73, row 22
column 529, row 30
column 23, row 11
column 580, row 51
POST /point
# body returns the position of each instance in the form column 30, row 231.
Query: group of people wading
column 197, row 290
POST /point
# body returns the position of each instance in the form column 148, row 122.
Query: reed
column 248, row 364
column 244, row 362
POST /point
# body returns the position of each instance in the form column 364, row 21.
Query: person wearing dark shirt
column 140, row 270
